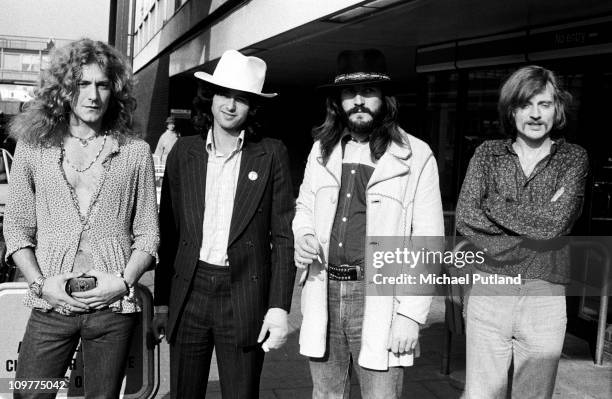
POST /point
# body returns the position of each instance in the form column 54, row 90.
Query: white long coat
column 403, row 199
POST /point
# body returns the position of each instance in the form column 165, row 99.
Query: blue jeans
column 521, row 324
column 331, row 375
column 51, row 339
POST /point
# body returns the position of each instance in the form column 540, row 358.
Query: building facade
column 21, row 60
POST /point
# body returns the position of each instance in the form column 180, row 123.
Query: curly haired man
column 81, row 218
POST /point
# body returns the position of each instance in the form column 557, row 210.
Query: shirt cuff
column 304, row 231
column 161, row 309
column 12, row 247
column 408, row 317
column 147, row 244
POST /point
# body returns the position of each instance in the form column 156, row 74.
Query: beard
column 362, row 127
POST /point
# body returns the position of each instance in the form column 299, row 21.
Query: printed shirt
column 41, row 212
column 347, row 240
column 499, row 207
column 221, row 181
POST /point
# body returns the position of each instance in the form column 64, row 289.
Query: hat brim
column 208, row 78
column 387, row 84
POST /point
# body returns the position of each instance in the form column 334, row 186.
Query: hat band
column 359, row 76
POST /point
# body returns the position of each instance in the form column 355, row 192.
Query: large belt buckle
column 359, row 272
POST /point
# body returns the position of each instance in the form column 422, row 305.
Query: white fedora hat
column 238, row 72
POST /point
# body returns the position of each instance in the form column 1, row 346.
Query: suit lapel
column 252, row 180
column 197, row 161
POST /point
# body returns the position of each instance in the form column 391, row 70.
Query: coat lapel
column 195, row 200
column 252, row 180
column 334, row 165
column 394, row 162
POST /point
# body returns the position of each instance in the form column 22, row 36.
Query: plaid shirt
column 499, row 207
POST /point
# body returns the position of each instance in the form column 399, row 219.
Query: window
column 161, row 13
column 153, row 21
column 12, row 62
column 45, row 62
column 30, row 62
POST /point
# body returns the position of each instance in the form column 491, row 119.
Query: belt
column 345, row 272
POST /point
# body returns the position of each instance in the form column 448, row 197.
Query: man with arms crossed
column 82, row 201
column 365, row 176
column 531, row 186
column 226, row 243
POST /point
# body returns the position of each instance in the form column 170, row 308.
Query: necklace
column 84, row 141
column 81, row 170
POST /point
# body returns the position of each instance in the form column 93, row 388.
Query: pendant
column 84, row 142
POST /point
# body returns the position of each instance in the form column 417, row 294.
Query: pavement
column 286, row 373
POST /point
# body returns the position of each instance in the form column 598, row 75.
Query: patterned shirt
column 41, row 212
column 221, row 181
column 499, row 207
column 347, row 240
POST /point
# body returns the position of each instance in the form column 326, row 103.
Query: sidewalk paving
column 286, row 373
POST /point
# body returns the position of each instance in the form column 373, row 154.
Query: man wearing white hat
column 226, row 253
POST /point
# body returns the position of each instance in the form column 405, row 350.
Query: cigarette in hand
column 321, row 248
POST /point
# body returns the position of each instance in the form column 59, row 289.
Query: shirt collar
column 346, row 137
column 210, row 143
column 505, row 147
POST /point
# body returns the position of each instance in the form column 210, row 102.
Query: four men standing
column 225, row 275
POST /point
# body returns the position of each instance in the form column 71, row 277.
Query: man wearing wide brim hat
column 238, row 72
column 360, row 67
column 365, row 179
column 226, row 247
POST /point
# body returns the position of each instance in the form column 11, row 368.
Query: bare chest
column 84, row 170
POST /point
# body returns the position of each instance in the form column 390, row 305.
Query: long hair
column 524, row 84
column 202, row 118
column 385, row 131
column 45, row 119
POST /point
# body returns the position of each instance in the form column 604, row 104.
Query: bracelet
column 131, row 291
column 131, row 296
column 36, row 286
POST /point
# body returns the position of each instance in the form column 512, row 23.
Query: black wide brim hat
column 360, row 67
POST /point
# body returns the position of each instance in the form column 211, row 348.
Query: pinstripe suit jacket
column 260, row 245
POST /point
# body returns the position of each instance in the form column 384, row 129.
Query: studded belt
column 345, row 272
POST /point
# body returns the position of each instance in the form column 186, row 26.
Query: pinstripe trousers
column 207, row 324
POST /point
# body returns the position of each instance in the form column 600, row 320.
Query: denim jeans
column 523, row 325
column 331, row 375
column 51, row 339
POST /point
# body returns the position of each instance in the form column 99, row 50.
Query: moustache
column 359, row 108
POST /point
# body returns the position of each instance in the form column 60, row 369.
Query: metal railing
column 29, row 43
column 21, row 76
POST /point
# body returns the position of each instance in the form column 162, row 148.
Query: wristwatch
column 36, row 286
